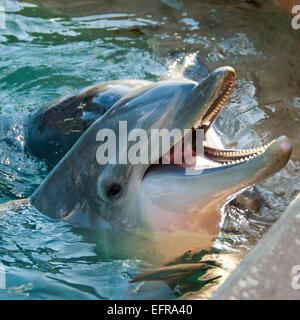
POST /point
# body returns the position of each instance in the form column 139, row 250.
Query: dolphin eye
column 113, row 190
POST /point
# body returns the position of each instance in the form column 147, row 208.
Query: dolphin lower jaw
column 192, row 202
column 172, row 201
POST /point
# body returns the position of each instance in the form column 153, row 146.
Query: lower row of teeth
column 249, row 154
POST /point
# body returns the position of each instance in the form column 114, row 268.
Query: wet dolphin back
column 52, row 130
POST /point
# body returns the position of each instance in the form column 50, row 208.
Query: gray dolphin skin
column 163, row 211
column 51, row 131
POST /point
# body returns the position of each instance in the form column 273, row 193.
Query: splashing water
column 49, row 48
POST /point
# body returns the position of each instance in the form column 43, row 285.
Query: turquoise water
column 49, row 48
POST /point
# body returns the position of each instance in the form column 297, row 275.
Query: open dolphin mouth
column 174, row 198
column 214, row 155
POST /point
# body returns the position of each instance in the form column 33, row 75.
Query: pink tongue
column 182, row 158
column 203, row 162
column 188, row 159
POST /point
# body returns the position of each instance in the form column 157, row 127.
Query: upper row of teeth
column 253, row 153
column 221, row 104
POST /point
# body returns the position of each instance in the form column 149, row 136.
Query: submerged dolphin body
column 159, row 210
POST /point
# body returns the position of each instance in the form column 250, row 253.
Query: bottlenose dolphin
column 52, row 130
column 163, row 211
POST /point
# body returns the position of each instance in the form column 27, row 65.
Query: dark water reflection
column 52, row 47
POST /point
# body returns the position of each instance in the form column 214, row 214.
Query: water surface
column 51, row 47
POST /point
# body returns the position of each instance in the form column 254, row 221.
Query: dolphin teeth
column 223, row 96
column 230, row 157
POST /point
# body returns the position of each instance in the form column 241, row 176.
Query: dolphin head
column 96, row 184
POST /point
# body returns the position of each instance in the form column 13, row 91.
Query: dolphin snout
column 284, row 147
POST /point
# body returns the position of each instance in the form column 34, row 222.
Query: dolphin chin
column 172, row 210
column 172, row 200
